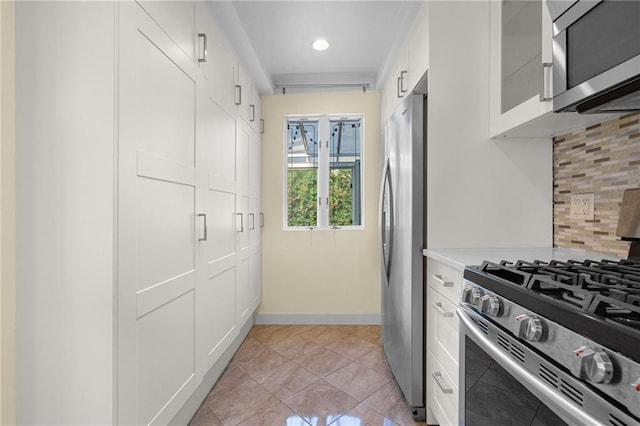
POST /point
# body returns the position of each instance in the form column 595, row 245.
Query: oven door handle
column 566, row 410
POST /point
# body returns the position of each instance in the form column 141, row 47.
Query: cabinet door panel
column 165, row 345
column 156, row 238
column 164, row 231
column 219, row 67
column 244, row 295
column 243, row 160
column 255, row 277
column 177, row 19
column 216, row 199
column 217, row 318
column 166, row 97
column 242, row 261
column 216, row 146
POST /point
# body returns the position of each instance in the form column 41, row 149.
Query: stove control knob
column 472, row 295
column 491, row 305
column 531, row 329
column 591, row 364
column 635, row 386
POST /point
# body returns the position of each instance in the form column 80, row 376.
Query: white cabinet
column 256, row 221
column 418, row 48
column 248, row 102
column 520, row 63
column 216, row 207
column 156, row 239
column 410, row 64
column 521, row 77
column 443, row 293
column 138, row 180
column 397, row 84
column 216, row 61
column 177, row 20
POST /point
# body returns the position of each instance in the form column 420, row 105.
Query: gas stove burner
column 596, row 298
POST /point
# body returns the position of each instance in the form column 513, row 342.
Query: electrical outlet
column 582, row 206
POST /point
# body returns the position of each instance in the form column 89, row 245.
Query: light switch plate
column 582, row 206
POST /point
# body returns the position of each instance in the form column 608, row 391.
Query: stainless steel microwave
column 596, row 55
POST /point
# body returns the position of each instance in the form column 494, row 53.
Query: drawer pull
column 437, row 376
column 439, row 308
column 443, row 282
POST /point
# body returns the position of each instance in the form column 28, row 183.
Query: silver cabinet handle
column 437, row 376
column 544, row 90
column 399, row 88
column 253, row 221
column 444, row 283
column 204, row 238
column 241, row 222
column 261, row 126
column 439, row 308
column 261, row 220
column 203, row 36
column 253, row 113
column 238, row 94
column 403, row 74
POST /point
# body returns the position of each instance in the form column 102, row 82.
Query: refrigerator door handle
column 387, row 216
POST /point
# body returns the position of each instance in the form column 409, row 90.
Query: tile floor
column 306, row 375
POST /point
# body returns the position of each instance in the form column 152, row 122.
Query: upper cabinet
column 521, row 73
column 176, row 18
column 247, row 99
column 216, row 62
column 409, row 65
column 418, row 49
column 397, row 84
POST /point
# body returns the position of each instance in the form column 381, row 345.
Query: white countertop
column 459, row 258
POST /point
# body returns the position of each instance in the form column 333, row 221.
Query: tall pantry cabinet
column 138, row 199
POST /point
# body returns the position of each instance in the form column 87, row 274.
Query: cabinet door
column 217, row 66
column 244, row 88
column 156, row 235
column 215, row 229
column 255, row 277
column 177, row 20
column 520, row 61
column 243, row 305
column 418, row 51
column 255, row 113
column 255, row 233
column 243, row 218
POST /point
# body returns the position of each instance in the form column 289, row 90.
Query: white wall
column 7, row 215
column 65, row 151
column 319, row 276
column 482, row 192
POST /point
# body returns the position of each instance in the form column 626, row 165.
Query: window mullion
column 323, row 173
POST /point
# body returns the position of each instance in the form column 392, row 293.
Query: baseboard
column 183, row 417
column 319, row 319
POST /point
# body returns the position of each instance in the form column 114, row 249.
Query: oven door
column 497, row 386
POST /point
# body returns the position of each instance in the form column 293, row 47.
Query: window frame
column 322, row 171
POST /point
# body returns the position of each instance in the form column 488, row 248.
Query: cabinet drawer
column 445, row 395
column 444, row 279
column 443, row 332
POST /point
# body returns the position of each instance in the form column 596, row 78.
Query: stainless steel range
column 568, row 332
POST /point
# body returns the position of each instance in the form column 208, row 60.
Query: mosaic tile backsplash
column 604, row 160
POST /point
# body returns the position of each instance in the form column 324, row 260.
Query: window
column 324, row 171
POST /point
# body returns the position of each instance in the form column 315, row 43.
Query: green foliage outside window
column 302, row 188
column 340, row 181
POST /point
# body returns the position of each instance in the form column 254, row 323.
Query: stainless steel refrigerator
column 402, row 228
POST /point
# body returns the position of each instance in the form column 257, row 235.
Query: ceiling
column 273, row 40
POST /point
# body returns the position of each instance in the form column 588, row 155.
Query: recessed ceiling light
column 320, row 44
